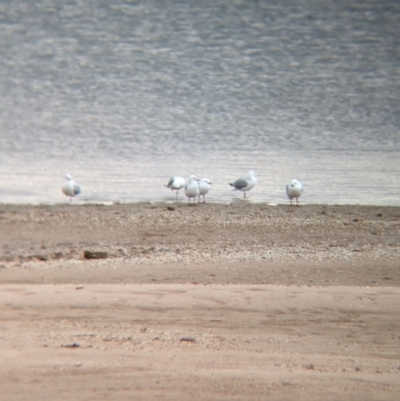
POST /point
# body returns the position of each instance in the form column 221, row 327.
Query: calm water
column 123, row 95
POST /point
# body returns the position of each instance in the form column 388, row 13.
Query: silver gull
column 204, row 187
column 294, row 190
column 244, row 183
column 70, row 187
column 175, row 184
column 192, row 188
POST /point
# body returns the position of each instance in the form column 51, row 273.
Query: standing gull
column 175, row 184
column 294, row 190
column 204, row 187
column 245, row 183
column 70, row 187
column 192, row 188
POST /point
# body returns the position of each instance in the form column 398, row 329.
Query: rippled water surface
column 123, row 95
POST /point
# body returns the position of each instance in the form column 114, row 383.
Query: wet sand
column 230, row 302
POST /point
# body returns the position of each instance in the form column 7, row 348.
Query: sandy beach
column 212, row 301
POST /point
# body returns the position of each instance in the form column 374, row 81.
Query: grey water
column 124, row 94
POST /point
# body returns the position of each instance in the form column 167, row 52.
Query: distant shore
column 244, row 234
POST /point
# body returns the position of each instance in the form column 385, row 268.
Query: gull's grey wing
column 170, row 182
column 240, row 183
column 77, row 189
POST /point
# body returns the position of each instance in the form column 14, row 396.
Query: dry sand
column 232, row 302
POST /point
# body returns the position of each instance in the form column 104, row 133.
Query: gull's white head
column 295, row 183
column 68, row 177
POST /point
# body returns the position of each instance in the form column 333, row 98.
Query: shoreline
column 183, row 201
column 274, row 244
